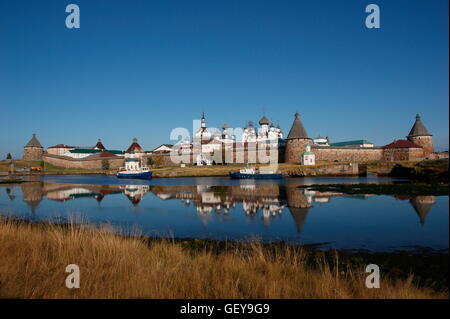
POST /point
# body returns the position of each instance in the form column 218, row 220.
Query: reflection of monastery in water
column 265, row 201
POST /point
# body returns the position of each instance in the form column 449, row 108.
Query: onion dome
column 264, row 121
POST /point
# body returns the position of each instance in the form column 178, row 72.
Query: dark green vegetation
column 11, row 181
column 430, row 268
column 383, row 189
column 433, row 171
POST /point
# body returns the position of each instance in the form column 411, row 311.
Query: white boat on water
column 254, row 173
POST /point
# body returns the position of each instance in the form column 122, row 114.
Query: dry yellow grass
column 34, row 257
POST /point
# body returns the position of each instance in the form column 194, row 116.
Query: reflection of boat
column 134, row 169
column 254, row 173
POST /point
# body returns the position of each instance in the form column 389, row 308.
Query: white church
column 210, row 142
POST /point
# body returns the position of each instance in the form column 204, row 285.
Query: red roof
column 102, row 154
column 135, row 147
column 106, row 154
column 402, row 144
column 100, row 146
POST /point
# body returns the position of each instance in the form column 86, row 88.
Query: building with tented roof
column 33, row 150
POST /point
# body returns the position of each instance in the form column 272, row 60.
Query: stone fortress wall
column 357, row 154
column 63, row 161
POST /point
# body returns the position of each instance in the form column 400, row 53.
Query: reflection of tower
column 422, row 205
column 298, row 205
column 99, row 198
column 9, row 193
column 32, row 194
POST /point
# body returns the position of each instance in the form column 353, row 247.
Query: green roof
column 355, row 142
column 131, row 160
column 93, row 151
column 307, row 153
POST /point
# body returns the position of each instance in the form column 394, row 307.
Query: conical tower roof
column 297, row 129
column 33, row 142
column 99, row 145
column 418, row 128
column 134, row 147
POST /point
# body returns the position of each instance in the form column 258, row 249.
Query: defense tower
column 296, row 141
column 420, row 136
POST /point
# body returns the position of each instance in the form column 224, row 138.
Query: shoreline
column 431, row 171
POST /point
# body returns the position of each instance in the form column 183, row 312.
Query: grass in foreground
column 34, row 257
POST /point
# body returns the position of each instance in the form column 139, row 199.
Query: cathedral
column 266, row 132
column 208, row 142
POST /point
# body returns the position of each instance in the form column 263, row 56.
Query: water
column 220, row 208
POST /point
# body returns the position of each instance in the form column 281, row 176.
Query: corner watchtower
column 296, row 141
column 420, row 136
column 33, row 150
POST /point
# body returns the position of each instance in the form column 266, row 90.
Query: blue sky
column 141, row 68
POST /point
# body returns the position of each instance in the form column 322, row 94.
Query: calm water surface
column 220, row 208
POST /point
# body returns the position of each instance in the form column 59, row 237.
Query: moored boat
column 142, row 173
column 134, row 169
column 254, row 173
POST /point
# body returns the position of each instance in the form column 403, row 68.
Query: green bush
column 105, row 164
